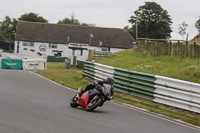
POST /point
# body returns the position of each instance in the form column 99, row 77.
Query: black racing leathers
column 92, row 86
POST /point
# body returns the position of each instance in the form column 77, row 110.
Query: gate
column 6, row 46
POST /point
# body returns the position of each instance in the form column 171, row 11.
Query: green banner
column 8, row 63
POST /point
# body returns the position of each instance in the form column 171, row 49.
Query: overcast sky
column 103, row 13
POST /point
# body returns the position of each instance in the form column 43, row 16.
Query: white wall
column 112, row 50
column 1, row 51
column 33, row 50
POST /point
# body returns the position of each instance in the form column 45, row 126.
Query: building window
column 28, row 44
column 104, row 49
column 31, row 44
column 53, row 45
column 81, row 52
column 25, row 43
column 57, row 53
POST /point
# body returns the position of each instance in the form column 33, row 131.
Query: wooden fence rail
column 102, row 54
column 158, row 47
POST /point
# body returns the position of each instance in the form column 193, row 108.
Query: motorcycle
column 93, row 98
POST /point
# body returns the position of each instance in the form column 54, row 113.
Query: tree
column 155, row 22
column 69, row 21
column 32, row 17
column 90, row 25
column 8, row 26
column 182, row 29
column 74, row 21
column 8, row 29
column 197, row 25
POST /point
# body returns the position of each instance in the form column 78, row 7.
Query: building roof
column 196, row 38
column 64, row 34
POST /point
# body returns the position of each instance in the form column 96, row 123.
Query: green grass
column 174, row 67
column 55, row 65
column 66, row 77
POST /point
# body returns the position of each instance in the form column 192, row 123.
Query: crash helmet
column 110, row 81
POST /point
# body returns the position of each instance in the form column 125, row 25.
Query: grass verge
column 67, row 77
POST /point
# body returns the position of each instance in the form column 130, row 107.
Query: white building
column 44, row 39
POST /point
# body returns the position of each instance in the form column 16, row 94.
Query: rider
column 109, row 81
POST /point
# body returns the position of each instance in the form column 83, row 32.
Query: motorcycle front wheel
column 73, row 102
column 94, row 103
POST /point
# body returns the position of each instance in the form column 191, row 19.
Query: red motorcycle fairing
column 83, row 100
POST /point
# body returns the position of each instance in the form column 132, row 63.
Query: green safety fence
column 134, row 83
column 80, row 64
column 56, row 59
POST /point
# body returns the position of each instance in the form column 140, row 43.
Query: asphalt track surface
column 32, row 104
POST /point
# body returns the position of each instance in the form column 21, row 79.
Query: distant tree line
column 8, row 25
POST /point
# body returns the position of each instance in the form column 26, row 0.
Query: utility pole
column 138, row 16
column 90, row 37
column 136, row 26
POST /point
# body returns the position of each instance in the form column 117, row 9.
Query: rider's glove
column 98, row 87
column 95, row 82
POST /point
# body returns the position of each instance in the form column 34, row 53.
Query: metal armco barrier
column 89, row 70
column 80, row 64
column 67, row 63
column 103, row 71
column 134, row 83
column 164, row 90
column 178, row 93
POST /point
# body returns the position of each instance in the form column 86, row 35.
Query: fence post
column 154, row 48
column 178, row 48
column 159, row 47
column 186, row 49
column 151, row 49
column 170, row 48
column 195, row 50
column 198, row 52
column 191, row 51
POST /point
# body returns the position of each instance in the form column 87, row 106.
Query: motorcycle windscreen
column 83, row 101
column 107, row 90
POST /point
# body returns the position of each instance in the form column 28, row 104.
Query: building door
column 58, row 54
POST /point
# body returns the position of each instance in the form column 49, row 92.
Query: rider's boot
column 79, row 92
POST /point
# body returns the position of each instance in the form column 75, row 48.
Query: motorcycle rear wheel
column 73, row 102
column 93, row 104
